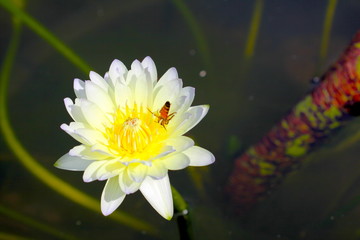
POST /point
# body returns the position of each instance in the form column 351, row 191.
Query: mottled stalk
column 333, row 102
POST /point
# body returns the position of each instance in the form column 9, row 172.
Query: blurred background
column 252, row 61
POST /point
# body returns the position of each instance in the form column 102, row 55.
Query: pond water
column 249, row 84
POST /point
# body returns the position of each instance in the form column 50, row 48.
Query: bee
column 163, row 115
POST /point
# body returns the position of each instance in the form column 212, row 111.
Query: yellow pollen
column 134, row 134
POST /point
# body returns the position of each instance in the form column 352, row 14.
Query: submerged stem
column 195, row 29
column 182, row 214
column 254, row 29
column 329, row 17
column 45, row 34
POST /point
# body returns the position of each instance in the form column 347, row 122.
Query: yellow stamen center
column 134, row 134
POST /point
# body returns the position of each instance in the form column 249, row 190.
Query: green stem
column 195, row 30
column 32, row 165
column 45, row 34
column 254, row 29
column 329, row 16
column 182, row 214
column 251, row 39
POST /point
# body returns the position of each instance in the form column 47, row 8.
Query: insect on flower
column 129, row 149
column 163, row 116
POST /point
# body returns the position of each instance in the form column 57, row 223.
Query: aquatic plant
column 130, row 126
column 211, row 49
column 333, row 102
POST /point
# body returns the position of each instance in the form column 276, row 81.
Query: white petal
column 127, row 185
column 68, row 103
column 142, row 88
column 157, row 169
column 111, row 197
column 99, row 81
column 101, row 148
column 158, row 193
column 73, row 126
column 86, row 152
column 184, row 100
column 91, row 171
column 176, row 161
column 117, row 71
column 108, row 80
column 79, row 88
column 94, row 115
column 110, row 169
column 149, row 65
column 83, row 134
column 90, row 135
column 123, row 95
column 166, row 150
column 199, row 156
column 189, row 119
column 72, row 163
column 180, row 143
column 74, row 111
column 168, row 76
column 97, row 95
column 137, row 171
column 166, row 92
column 137, row 68
column 71, row 131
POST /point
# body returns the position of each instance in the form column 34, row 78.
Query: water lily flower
column 130, row 126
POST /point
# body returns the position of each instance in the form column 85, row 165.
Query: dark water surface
column 247, row 96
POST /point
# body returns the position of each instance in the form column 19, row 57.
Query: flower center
column 134, row 134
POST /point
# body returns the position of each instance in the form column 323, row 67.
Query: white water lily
column 130, row 126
